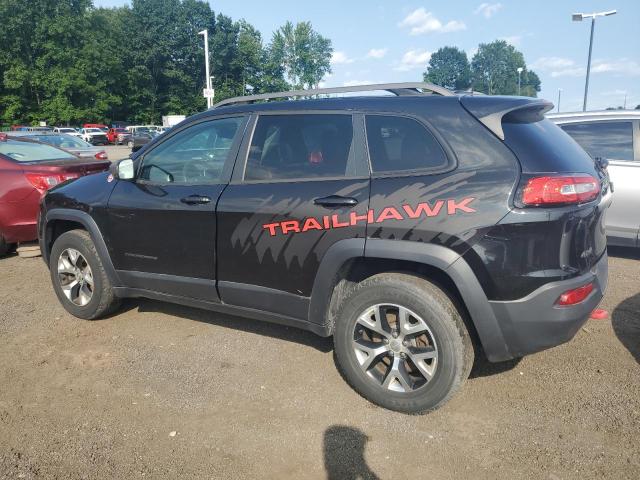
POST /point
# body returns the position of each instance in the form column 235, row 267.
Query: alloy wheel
column 75, row 277
column 395, row 348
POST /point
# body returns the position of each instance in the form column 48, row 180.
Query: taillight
column 101, row 155
column 44, row 181
column 574, row 296
column 559, row 190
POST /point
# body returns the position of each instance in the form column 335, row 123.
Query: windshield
column 67, row 130
column 32, row 152
column 93, row 130
column 63, row 141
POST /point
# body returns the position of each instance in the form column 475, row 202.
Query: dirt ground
column 162, row 391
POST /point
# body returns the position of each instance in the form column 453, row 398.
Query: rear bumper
column 535, row 323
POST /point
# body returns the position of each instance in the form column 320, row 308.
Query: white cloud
column 413, row 59
column 512, row 40
column 340, row 58
column 420, row 21
column 624, row 66
column 377, row 52
column 565, row 67
column 488, row 9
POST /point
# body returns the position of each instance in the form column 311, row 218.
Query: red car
column 27, row 170
column 118, row 135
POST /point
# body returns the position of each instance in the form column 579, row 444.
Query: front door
column 162, row 225
column 613, row 140
column 304, row 187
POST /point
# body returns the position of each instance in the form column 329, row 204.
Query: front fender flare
column 90, row 225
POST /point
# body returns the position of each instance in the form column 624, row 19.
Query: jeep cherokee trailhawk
column 419, row 229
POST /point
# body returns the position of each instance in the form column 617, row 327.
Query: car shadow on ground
column 626, row 324
column 268, row 329
column 343, row 451
column 481, row 367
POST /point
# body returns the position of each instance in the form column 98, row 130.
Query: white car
column 94, row 136
column 613, row 135
column 67, row 130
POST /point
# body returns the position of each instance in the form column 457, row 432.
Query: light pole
column 578, row 17
column 520, row 69
column 206, row 66
column 559, row 95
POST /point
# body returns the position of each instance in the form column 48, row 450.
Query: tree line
column 66, row 62
column 493, row 70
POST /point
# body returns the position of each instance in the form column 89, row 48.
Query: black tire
column 4, row 246
column 103, row 300
column 455, row 353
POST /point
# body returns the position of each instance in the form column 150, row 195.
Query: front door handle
column 333, row 201
column 196, row 200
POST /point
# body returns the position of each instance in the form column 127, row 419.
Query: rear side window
column 612, row 140
column 542, row 146
column 32, row 152
column 300, row 146
column 402, row 144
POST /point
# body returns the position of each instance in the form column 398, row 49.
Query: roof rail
column 398, row 89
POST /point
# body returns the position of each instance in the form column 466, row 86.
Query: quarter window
column 612, row 140
column 196, row 155
column 300, row 146
column 400, row 143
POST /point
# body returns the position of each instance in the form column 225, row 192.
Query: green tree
column 449, row 67
column 494, row 70
column 304, row 54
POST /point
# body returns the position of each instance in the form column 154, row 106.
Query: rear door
column 300, row 185
column 162, row 225
column 614, row 140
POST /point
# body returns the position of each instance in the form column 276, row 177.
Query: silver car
column 615, row 136
column 71, row 144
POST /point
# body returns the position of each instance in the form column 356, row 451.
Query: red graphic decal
column 424, row 209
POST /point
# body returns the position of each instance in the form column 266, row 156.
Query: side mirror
column 124, row 170
column 135, row 148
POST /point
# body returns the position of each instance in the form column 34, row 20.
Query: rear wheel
column 79, row 278
column 402, row 344
column 130, row 144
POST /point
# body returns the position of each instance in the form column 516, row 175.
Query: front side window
column 402, row 144
column 613, row 140
column 196, row 155
column 300, row 146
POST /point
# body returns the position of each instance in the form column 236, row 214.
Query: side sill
column 126, row 292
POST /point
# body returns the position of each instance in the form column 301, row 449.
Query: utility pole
column 520, row 69
column 559, row 94
column 578, row 17
column 208, row 92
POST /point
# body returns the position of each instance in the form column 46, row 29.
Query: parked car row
column 99, row 134
column 30, row 164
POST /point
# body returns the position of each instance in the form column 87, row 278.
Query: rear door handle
column 336, row 201
column 195, row 200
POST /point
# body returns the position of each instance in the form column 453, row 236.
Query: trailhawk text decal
column 451, row 207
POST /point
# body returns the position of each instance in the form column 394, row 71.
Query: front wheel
column 79, row 278
column 401, row 343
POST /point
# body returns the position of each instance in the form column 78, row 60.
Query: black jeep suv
column 419, row 230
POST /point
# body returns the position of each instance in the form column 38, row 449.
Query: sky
column 391, row 41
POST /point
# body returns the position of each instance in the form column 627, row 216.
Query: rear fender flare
column 437, row 256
